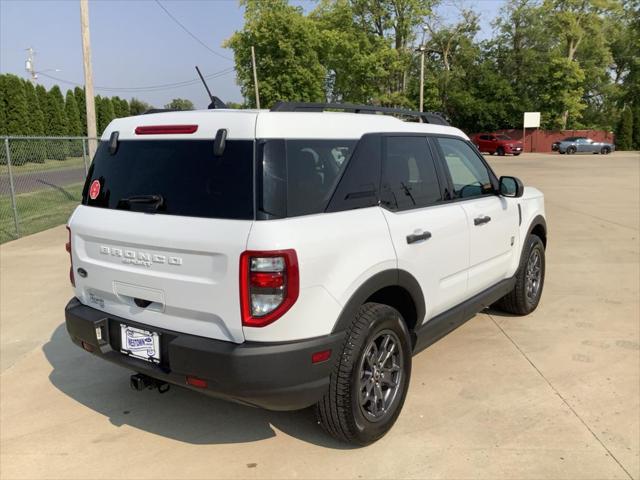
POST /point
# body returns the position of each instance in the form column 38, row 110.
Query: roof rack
column 426, row 117
column 159, row 110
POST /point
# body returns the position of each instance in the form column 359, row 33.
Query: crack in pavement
column 555, row 390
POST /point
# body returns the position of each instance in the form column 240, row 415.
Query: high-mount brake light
column 165, row 129
column 269, row 285
column 67, row 247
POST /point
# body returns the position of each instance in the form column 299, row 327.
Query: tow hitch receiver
column 141, row 382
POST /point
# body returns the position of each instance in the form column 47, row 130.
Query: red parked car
column 497, row 143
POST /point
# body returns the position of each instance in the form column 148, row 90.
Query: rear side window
column 174, row 177
column 298, row 177
column 409, row 178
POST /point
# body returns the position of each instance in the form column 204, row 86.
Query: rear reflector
column 196, row 382
column 322, row 356
column 166, row 129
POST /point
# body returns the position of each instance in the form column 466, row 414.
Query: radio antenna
column 215, row 101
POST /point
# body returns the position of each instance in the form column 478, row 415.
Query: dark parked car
column 497, row 143
column 571, row 145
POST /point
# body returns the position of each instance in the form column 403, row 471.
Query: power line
column 191, row 34
column 148, row 88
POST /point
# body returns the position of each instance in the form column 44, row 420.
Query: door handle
column 416, row 237
column 481, row 220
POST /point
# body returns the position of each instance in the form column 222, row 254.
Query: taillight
column 269, row 285
column 67, row 247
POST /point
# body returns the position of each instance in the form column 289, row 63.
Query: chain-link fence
column 41, row 181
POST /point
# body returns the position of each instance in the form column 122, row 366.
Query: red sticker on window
column 94, row 190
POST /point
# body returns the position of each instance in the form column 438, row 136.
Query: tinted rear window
column 185, row 174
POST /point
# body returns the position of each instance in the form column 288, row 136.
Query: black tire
column 571, row 150
column 561, row 153
column 520, row 301
column 500, row 151
column 516, row 154
column 340, row 412
column 605, row 151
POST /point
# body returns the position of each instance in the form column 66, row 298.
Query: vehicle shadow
column 179, row 414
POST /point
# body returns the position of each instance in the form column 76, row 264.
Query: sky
column 136, row 45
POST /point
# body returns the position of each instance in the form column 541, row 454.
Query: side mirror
column 511, row 187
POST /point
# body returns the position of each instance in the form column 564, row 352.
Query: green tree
column 56, row 121
column 38, row 149
column 138, row 107
column 35, row 113
column 361, row 65
column 17, row 118
column 636, row 127
column 78, row 93
column 74, row 128
column 624, row 132
column 120, row 107
column 286, row 44
column 180, row 104
column 104, row 113
column 578, row 27
column 56, row 124
column 16, row 114
column 234, row 105
column 43, row 101
column 3, row 116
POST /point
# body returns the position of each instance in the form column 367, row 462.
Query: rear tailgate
column 162, row 226
column 186, row 267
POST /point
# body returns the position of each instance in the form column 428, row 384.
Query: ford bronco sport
column 294, row 257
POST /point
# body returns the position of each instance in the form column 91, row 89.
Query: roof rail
column 159, row 110
column 426, row 117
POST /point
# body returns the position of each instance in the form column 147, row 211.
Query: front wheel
column 370, row 381
column 516, row 154
column 526, row 293
column 571, row 150
column 500, row 151
column 605, row 151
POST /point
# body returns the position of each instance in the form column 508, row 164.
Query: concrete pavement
column 555, row 394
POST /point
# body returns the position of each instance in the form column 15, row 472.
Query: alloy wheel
column 381, row 375
column 533, row 275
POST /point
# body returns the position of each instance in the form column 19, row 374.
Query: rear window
column 174, row 177
column 298, row 177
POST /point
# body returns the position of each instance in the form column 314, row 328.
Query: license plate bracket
column 139, row 343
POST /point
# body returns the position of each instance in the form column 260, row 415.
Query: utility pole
column 88, row 77
column 29, row 65
column 422, row 49
column 255, row 76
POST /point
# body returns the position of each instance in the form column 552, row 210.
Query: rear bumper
column 276, row 376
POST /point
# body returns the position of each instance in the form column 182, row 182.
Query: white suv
column 294, row 257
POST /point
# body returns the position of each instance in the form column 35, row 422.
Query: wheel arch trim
column 386, row 278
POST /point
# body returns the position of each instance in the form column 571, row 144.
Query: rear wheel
column 571, row 150
column 526, row 293
column 605, row 151
column 370, row 381
column 516, row 154
column 500, row 151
